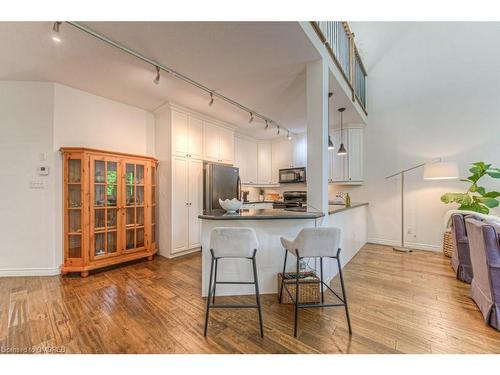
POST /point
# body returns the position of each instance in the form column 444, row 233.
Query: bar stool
column 233, row 243
column 315, row 243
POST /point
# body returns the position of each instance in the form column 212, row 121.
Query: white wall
column 433, row 92
column 40, row 118
column 26, row 215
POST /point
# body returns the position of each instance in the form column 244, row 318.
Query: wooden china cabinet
column 109, row 205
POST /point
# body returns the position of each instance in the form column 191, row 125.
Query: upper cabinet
column 187, row 135
column 347, row 169
column 264, row 163
column 219, row 143
column 245, row 158
column 288, row 154
column 299, row 151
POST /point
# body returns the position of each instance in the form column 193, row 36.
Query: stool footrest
column 235, row 282
column 234, row 306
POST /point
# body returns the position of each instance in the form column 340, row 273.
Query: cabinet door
column 135, row 211
column 355, row 154
column 211, row 136
column 275, row 161
column 195, row 138
column 264, row 163
column 300, row 151
column 252, row 162
column 226, row 152
column 179, row 134
column 245, row 158
column 339, row 161
column 180, row 199
column 195, row 187
column 287, row 154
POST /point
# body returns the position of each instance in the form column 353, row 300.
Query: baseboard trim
column 411, row 245
column 190, row 251
column 10, row 272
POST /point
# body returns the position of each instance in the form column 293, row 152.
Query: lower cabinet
column 187, row 203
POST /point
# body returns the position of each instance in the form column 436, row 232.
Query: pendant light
column 342, row 150
column 330, row 143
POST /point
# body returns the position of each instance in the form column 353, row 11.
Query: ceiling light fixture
column 342, row 150
column 251, row 118
column 211, row 99
column 278, row 130
column 330, row 143
column 267, row 125
column 289, row 136
column 55, row 32
column 157, row 78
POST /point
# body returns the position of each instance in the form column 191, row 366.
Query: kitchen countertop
column 336, row 208
column 255, row 214
column 255, row 202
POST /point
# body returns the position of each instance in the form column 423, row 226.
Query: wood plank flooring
column 399, row 303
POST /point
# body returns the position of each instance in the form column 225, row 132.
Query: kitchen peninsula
column 270, row 225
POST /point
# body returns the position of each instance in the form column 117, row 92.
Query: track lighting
column 211, row 99
column 251, row 118
column 342, row 150
column 289, row 136
column 157, row 78
column 267, row 125
column 55, row 32
column 278, row 132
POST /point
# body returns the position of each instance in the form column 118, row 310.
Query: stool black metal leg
column 296, row 298
column 209, row 294
column 344, row 296
column 321, row 278
column 283, row 276
column 257, row 295
column 215, row 278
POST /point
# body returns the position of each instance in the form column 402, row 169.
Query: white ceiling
column 259, row 64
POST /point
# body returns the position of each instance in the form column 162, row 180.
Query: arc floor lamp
column 434, row 170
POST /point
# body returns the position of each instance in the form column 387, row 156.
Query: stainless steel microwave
column 292, row 175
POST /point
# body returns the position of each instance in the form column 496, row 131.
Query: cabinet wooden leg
column 84, row 273
column 150, row 257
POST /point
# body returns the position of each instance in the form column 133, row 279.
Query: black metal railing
column 339, row 42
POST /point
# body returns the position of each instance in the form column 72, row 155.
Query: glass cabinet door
column 104, row 218
column 135, row 178
column 73, row 206
column 153, row 203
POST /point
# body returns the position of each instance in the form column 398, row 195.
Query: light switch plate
column 37, row 184
column 43, row 170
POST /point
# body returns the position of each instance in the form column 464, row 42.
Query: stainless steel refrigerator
column 219, row 181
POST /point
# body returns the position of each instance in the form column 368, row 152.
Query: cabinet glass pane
column 129, row 195
column 99, row 219
column 74, row 170
column 139, row 212
column 130, row 216
column 111, row 242
column 111, row 174
column 130, row 240
column 99, row 248
column 74, row 246
column 129, row 174
column 99, row 171
column 139, row 196
column 153, row 176
column 99, row 195
column 153, row 234
column 139, row 174
column 153, row 214
column 74, row 196
column 139, row 237
column 74, row 221
column 111, row 195
column 153, row 194
column 111, row 218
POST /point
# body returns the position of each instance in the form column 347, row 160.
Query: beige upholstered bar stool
column 232, row 243
column 315, row 243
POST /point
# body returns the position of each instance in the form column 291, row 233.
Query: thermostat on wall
column 43, row 170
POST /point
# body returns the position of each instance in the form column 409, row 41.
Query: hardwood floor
column 409, row 303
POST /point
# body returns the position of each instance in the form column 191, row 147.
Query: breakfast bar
column 270, row 225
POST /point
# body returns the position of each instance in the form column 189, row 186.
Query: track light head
column 55, row 32
column 267, row 125
column 157, row 78
column 211, row 99
column 289, row 136
column 278, row 132
column 251, row 118
column 55, row 26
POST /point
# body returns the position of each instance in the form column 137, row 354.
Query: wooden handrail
column 339, row 42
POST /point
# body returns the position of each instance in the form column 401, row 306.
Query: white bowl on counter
column 230, row 205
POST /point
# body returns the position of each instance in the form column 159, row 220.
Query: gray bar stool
column 232, row 243
column 315, row 243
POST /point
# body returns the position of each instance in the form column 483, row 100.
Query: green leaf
column 493, row 174
column 481, row 190
column 476, row 207
column 480, row 164
column 473, row 178
column 488, row 202
column 475, row 170
column 460, row 198
column 491, row 194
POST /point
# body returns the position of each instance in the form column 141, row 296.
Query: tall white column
column 317, row 135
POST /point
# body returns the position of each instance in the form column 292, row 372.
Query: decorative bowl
column 230, row 205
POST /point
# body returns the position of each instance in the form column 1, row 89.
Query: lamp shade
column 440, row 171
column 330, row 144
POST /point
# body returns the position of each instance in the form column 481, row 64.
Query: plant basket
column 309, row 289
column 448, row 245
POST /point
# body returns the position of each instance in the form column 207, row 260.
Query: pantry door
column 105, row 208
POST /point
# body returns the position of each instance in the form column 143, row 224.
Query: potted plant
column 476, row 198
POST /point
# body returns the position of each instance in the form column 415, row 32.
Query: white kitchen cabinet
column 187, row 135
column 187, row 203
column 245, row 158
column 299, row 151
column 219, row 143
column 264, row 161
column 347, row 169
